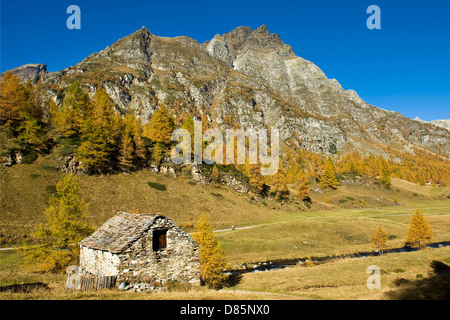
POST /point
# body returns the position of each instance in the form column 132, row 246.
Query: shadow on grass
column 232, row 280
column 435, row 287
column 24, row 287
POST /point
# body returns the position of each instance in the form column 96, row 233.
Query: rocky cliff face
column 439, row 123
column 32, row 72
column 249, row 79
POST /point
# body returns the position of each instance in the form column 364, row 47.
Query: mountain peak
column 262, row 29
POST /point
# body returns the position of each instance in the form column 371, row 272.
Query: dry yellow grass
column 346, row 279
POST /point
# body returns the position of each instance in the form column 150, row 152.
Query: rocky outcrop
column 32, row 72
column 9, row 159
column 70, row 164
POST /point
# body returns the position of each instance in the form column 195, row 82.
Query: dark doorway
column 159, row 239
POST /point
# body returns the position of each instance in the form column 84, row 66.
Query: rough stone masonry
column 145, row 251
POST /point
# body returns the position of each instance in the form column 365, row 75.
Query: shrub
column 157, row 186
column 29, row 157
column 216, row 195
column 51, row 188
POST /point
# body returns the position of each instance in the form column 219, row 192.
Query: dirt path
column 270, row 295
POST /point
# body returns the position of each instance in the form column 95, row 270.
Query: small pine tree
column 419, row 231
column 66, row 225
column 328, row 179
column 212, row 261
column 379, row 239
column 303, row 188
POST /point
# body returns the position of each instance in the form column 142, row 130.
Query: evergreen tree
column 212, row 261
column 379, row 239
column 66, row 225
column 419, row 231
column 161, row 126
column 328, row 179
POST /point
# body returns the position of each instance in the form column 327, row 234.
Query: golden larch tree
column 11, row 99
column 66, row 225
column 303, row 188
column 328, row 179
column 161, row 126
column 419, row 231
column 379, row 239
column 212, row 261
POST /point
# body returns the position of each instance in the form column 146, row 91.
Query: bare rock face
column 32, row 72
column 248, row 79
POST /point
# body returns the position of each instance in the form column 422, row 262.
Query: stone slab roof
column 119, row 232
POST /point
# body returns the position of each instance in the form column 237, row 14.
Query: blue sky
column 404, row 66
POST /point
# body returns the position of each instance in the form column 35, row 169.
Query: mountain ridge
column 248, row 79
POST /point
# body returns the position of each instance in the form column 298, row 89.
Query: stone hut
column 144, row 251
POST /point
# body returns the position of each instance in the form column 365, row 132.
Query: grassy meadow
column 337, row 223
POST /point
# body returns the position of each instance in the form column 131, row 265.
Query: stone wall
column 99, row 262
column 140, row 268
column 178, row 262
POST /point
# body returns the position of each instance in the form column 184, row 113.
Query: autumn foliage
column 419, row 232
column 212, row 261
